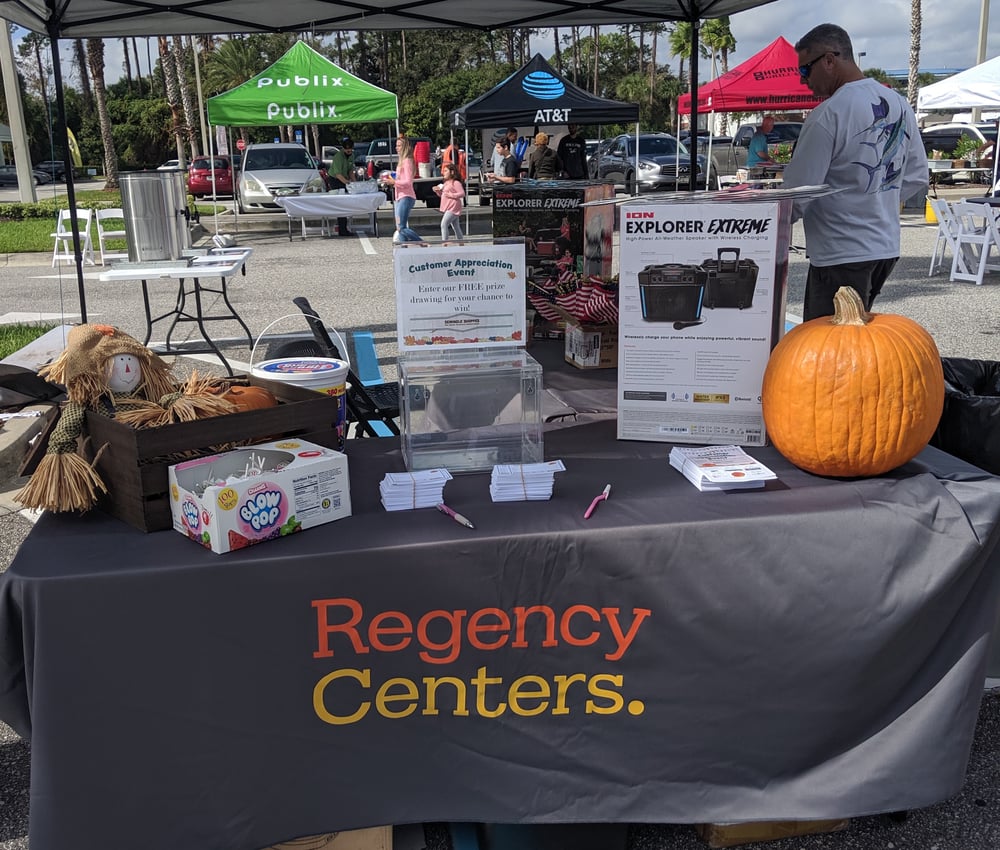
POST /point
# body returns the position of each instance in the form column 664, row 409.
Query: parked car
column 210, row 175
column 172, row 165
column 8, row 176
column 474, row 164
column 381, row 155
column 728, row 158
column 55, row 169
column 664, row 163
column 272, row 170
column 945, row 137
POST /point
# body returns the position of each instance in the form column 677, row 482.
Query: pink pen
column 597, row 499
column 455, row 516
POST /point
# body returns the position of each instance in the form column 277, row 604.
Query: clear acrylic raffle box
column 467, row 410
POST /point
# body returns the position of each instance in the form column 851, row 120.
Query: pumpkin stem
column 848, row 309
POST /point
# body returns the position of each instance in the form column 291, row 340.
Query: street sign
column 298, row 136
column 240, row 144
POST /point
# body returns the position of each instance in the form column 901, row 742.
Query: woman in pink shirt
column 452, row 192
column 406, row 168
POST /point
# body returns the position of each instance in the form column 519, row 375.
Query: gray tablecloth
column 815, row 649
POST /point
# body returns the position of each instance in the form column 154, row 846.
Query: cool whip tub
column 236, row 499
column 323, row 374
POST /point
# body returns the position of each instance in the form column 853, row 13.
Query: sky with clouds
column 879, row 28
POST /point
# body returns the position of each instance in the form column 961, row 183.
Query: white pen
column 455, row 516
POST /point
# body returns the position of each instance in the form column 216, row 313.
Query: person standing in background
column 340, row 173
column 572, row 151
column 758, row 153
column 543, row 162
column 508, row 168
column 518, row 146
column 454, row 153
column 405, row 197
column 451, row 193
column 862, row 139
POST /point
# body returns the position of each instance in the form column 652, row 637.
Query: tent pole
column 211, row 159
column 693, row 176
column 52, row 27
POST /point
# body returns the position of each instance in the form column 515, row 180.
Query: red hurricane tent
column 767, row 82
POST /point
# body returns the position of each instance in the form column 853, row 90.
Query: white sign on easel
column 469, row 296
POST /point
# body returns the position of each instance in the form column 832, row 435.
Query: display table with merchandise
column 814, row 649
column 331, row 205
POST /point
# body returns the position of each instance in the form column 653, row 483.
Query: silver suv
column 273, row 170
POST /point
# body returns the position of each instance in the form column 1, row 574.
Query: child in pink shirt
column 451, row 192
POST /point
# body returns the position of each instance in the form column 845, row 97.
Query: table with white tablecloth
column 331, row 205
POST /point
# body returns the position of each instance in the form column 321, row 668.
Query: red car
column 200, row 176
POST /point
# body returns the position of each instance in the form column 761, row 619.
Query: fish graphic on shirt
column 889, row 138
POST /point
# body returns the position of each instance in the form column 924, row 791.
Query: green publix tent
column 302, row 87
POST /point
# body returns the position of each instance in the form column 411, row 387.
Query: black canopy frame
column 117, row 18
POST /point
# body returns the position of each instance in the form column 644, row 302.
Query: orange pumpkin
column 250, row 398
column 853, row 394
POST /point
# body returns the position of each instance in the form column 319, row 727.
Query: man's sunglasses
column 804, row 70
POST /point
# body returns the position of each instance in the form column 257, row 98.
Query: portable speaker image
column 729, row 281
column 672, row 293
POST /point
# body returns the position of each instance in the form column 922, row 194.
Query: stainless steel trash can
column 157, row 223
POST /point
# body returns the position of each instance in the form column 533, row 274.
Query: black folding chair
column 365, row 404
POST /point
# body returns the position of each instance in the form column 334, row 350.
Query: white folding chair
column 973, row 243
column 947, row 234
column 63, row 237
column 116, row 215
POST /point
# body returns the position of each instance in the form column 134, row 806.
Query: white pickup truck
column 728, row 155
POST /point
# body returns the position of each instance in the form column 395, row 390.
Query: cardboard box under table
column 469, row 410
column 134, row 463
column 733, row 834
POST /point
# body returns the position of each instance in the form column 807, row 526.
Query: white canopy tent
column 975, row 88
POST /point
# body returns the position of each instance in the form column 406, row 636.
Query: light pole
column 861, row 56
column 984, row 26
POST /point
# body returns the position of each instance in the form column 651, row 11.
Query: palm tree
column 95, row 59
column 916, row 23
column 173, row 96
column 191, row 124
column 680, row 46
column 232, row 64
column 718, row 38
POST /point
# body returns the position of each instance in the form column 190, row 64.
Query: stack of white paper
column 517, row 482
column 402, row 491
column 719, row 467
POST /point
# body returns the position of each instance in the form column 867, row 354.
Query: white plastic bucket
column 323, row 374
column 326, row 375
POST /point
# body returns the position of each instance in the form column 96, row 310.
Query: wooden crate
column 375, row 838
column 134, row 464
column 733, row 834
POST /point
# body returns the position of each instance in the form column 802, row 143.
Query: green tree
column 719, row 39
column 95, row 62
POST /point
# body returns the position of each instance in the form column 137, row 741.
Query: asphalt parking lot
column 350, row 284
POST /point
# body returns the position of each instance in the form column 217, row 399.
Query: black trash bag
column 20, row 386
column 970, row 423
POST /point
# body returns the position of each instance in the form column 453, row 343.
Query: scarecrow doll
column 108, row 372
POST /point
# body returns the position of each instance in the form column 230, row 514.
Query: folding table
column 329, row 206
column 223, row 262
